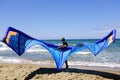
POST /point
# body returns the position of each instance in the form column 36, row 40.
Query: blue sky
column 53, row 19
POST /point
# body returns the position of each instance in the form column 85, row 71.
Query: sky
column 53, row 19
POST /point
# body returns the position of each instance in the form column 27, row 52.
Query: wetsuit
column 64, row 48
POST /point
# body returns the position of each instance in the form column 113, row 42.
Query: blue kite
column 20, row 42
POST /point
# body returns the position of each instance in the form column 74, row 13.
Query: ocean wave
column 36, row 50
column 2, row 44
column 48, row 62
column 83, row 53
column 23, row 61
column 10, row 60
column 96, row 64
column 4, row 48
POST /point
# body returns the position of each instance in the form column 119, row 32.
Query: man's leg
column 66, row 64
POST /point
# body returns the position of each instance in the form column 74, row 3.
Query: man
column 63, row 47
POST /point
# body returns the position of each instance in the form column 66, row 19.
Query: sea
column 109, row 57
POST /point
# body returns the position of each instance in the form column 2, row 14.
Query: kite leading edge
column 20, row 42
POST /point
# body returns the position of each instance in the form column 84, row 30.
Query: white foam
column 4, row 48
column 79, row 63
column 36, row 50
column 2, row 44
column 9, row 60
column 99, row 64
column 23, row 61
column 82, row 52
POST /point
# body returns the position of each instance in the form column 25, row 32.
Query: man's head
column 63, row 39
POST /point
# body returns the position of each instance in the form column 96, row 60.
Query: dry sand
column 35, row 72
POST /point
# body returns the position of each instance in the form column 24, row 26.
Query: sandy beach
column 9, row 71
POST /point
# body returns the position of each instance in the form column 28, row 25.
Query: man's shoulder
column 65, row 43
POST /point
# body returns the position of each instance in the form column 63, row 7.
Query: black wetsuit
column 65, row 43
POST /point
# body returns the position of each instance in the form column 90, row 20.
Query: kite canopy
column 20, row 42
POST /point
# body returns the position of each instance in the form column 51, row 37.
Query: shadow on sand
column 53, row 70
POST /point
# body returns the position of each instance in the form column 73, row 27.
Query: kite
column 20, row 42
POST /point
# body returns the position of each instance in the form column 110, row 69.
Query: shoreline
column 14, row 71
